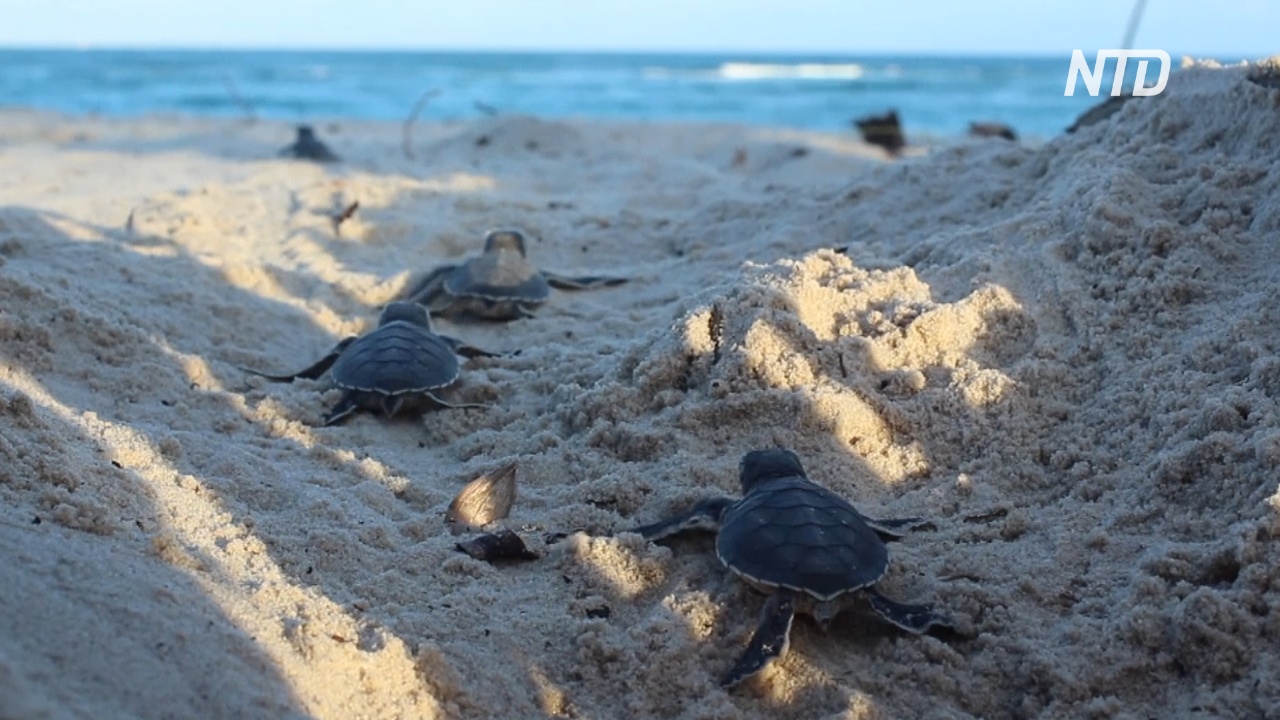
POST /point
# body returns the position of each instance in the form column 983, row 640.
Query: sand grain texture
column 1066, row 355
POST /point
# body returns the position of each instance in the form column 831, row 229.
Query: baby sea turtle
column 308, row 147
column 499, row 284
column 992, row 130
column 883, row 130
column 803, row 544
column 395, row 367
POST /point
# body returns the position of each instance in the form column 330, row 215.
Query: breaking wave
column 748, row 71
column 801, row 71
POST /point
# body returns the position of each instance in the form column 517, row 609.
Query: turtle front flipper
column 315, row 371
column 912, row 618
column 705, row 515
column 770, row 640
column 426, row 289
column 894, row 528
column 585, row 282
column 346, row 406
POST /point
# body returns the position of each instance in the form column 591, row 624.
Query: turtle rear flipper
column 705, row 515
column 585, row 282
column 390, row 405
column 320, row 367
column 894, row 528
column 912, row 618
column 770, row 640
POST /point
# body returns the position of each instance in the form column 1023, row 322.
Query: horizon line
column 946, row 53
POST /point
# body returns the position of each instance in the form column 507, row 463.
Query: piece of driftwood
column 413, row 117
column 344, row 216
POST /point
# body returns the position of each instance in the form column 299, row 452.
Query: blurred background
column 812, row 64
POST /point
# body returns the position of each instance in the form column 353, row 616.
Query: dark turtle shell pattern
column 397, row 357
column 789, row 532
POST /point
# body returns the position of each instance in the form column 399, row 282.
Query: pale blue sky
column 1236, row 28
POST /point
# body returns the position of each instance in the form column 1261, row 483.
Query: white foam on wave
column 800, row 71
column 745, row 71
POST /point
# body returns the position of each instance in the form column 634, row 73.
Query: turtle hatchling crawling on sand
column 308, row 147
column 804, row 545
column 397, row 366
column 499, row 284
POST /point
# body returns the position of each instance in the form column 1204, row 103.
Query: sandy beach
column 1067, row 356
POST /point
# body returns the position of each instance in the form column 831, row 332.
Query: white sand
column 1066, row 356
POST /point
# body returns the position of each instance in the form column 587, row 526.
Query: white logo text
column 1093, row 78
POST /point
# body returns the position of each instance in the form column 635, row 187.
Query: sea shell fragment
column 483, row 501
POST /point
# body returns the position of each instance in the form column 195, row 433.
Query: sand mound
column 1065, row 356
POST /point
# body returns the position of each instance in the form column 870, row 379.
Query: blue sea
column 935, row 95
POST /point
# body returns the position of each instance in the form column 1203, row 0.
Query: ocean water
column 935, row 95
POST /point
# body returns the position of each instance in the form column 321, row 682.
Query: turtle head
column 305, row 132
column 504, row 240
column 412, row 313
column 758, row 466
